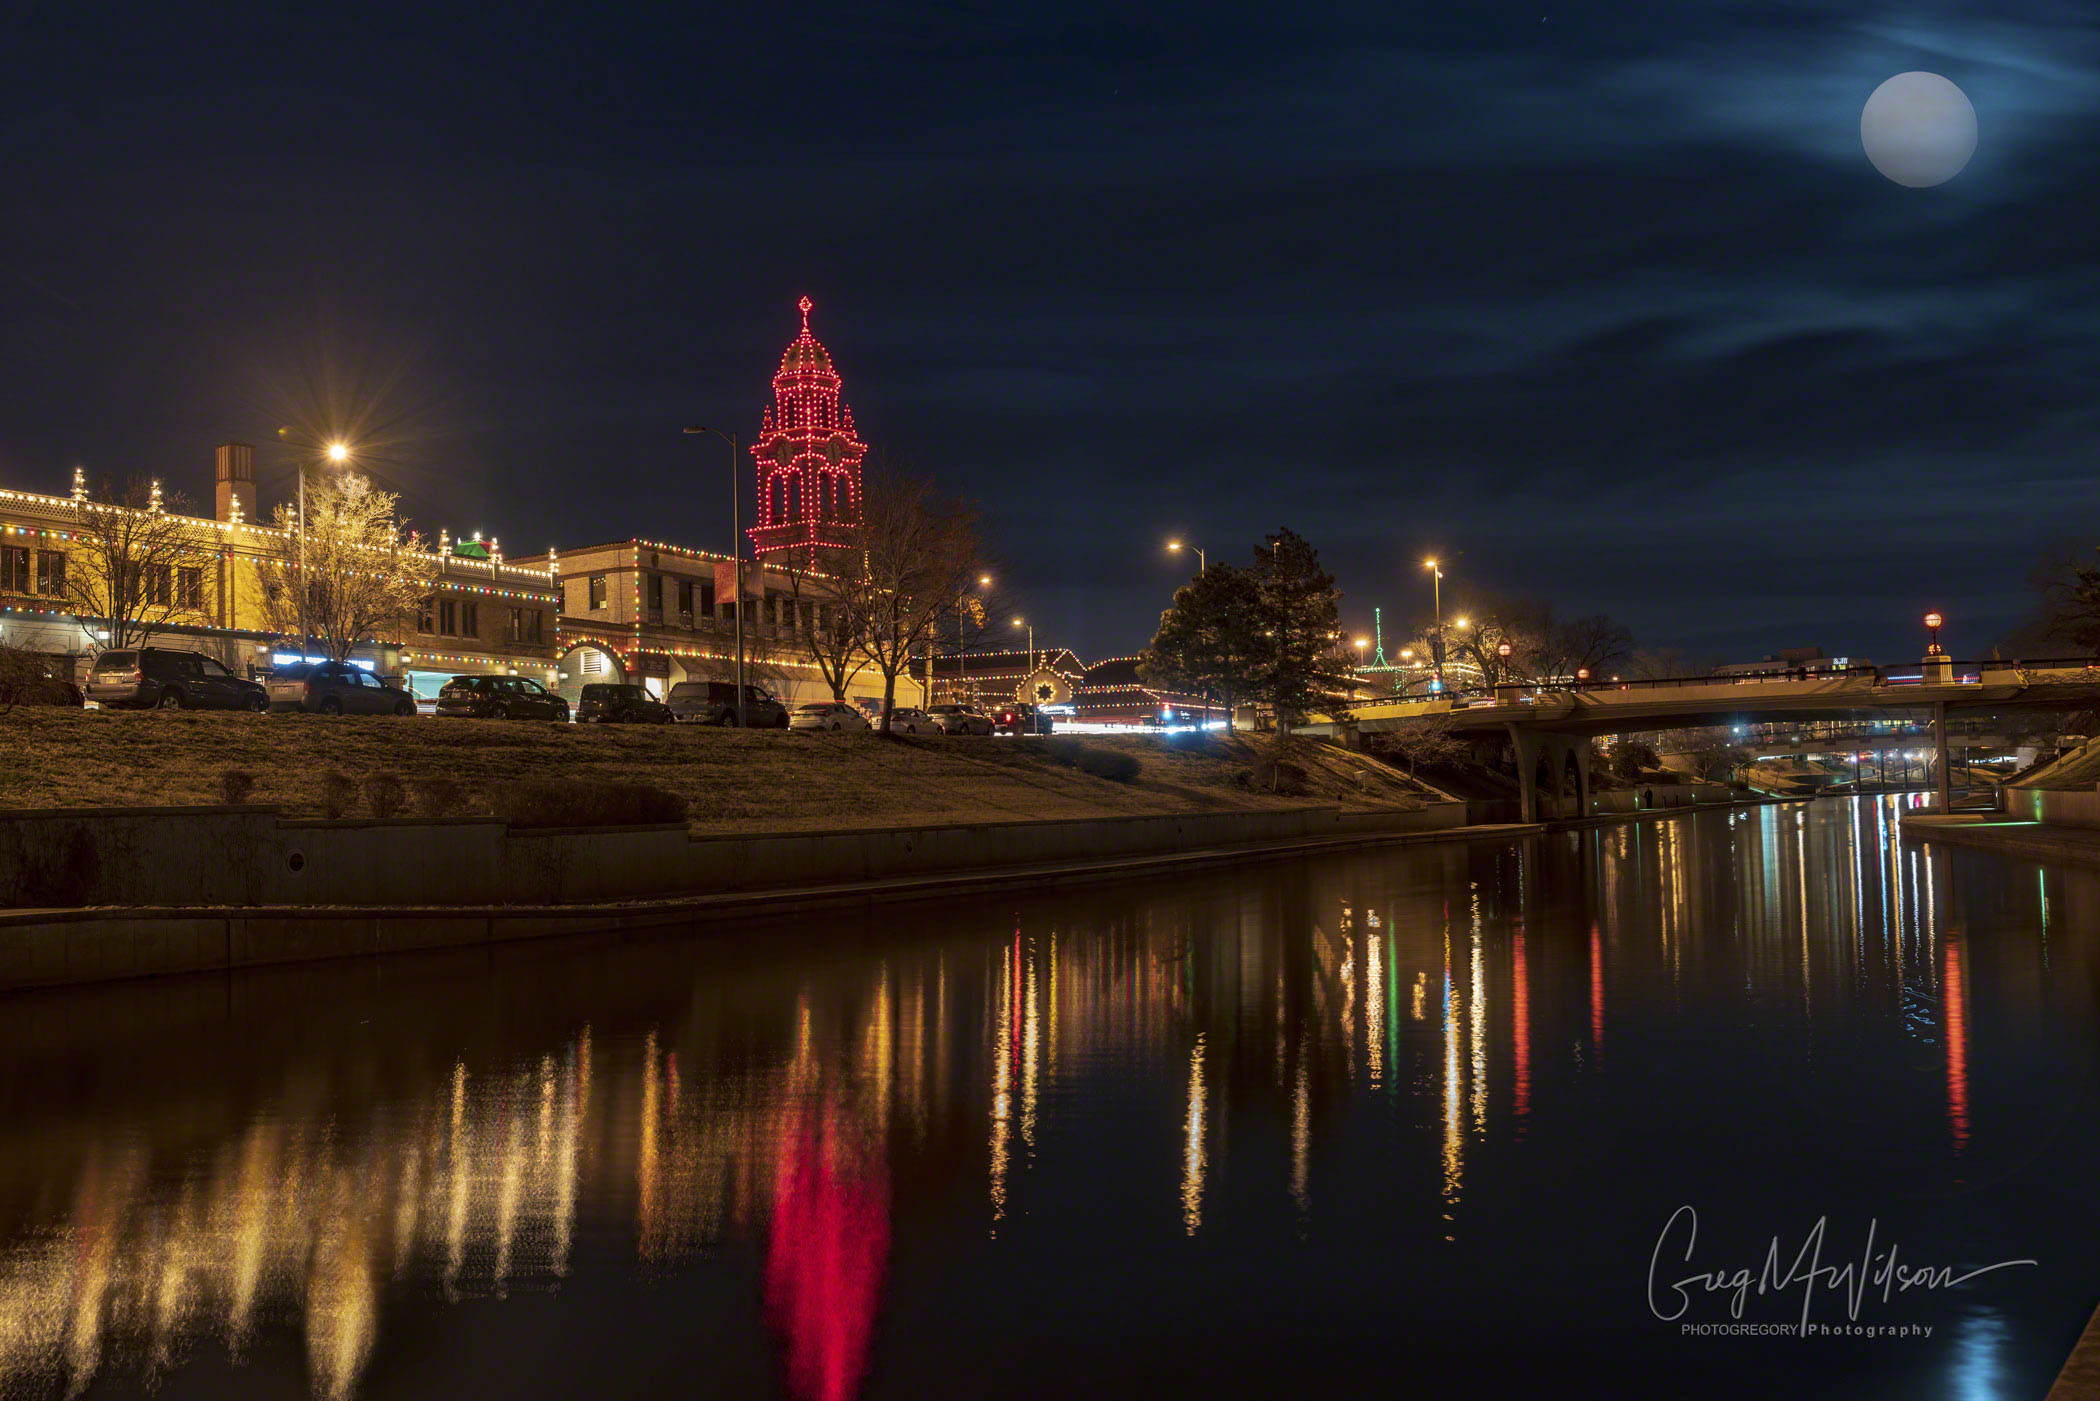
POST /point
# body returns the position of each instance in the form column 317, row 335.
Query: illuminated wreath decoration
column 1045, row 687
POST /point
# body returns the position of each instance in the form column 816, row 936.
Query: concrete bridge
column 1550, row 727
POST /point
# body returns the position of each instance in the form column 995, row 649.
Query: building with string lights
column 485, row 616
column 1107, row 693
column 653, row 613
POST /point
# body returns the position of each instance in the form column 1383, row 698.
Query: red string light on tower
column 808, row 457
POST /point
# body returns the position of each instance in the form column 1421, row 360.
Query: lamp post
column 736, row 561
column 1436, row 588
column 336, row 453
column 1502, row 654
column 1024, row 623
column 1933, row 623
column 1176, row 547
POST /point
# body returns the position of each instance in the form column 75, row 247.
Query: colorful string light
column 807, row 454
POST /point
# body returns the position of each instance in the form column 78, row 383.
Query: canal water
column 1468, row 1118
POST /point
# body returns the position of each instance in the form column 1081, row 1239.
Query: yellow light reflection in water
column 1192, row 1153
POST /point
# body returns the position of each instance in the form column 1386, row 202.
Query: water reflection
column 1163, row 1063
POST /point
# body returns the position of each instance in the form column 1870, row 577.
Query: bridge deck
column 1700, row 701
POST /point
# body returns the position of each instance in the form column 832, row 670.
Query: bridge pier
column 1560, row 754
column 1943, row 780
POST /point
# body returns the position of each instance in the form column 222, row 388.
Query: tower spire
column 805, row 304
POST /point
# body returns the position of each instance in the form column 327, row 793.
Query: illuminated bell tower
column 808, row 458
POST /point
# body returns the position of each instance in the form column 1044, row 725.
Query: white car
column 827, row 715
column 959, row 720
column 910, row 720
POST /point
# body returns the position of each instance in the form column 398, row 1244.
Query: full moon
column 1919, row 129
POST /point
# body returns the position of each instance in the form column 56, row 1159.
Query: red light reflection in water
column 1955, row 1014
column 1521, row 1005
column 826, row 1259
column 1597, row 993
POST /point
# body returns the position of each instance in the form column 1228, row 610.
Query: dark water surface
column 1394, row 1122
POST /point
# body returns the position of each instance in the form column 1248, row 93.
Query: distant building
column 1806, row 660
column 1105, row 693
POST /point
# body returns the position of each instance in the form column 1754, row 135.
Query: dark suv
column 336, row 688
column 1020, row 718
column 500, row 698
column 609, row 704
column 144, row 677
column 714, row 703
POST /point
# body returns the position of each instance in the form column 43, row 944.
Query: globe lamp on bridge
column 1933, row 623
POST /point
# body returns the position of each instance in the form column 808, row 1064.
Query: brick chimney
column 236, row 480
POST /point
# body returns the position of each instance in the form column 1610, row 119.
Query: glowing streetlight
column 1024, row 623
column 335, row 454
column 1933, row 623
column 1436, row 589
column 1176, row 547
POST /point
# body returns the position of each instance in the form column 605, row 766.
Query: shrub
column 385, row 795
column 236, row 787
column 338, row 793
column 584, row 803
column 438, row 797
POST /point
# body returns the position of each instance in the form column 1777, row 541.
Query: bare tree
column 1429, row 741
column 136, row 563
column 366, row 574
column 830, row 625
column 918, row 559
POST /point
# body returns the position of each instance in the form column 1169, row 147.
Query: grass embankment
column 733, row 780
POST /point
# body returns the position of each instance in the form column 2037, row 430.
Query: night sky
column 1602, row 303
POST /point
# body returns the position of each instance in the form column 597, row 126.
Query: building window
column 707, row 598
column 448, row 617
column 14, row 569
column 535, row 626
column 656, row 593
column 685, row 599
column 470, row 620
column 162, row 585
column 426, row 615
column 51, row 573
column 191, row 593
column 517, row 625
column 597, row 591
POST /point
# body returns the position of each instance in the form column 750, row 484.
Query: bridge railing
column 1960, row 673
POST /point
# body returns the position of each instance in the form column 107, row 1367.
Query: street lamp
column 1024, row 623
column 1436, row 588
column 1933, row 623
column 736, row 559
column 336, row 453
column 1176, row 547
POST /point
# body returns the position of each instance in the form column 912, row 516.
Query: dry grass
column 742, row 780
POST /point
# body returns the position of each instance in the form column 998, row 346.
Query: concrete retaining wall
column 2056, row 808
column 249, row 856
column 381, row 870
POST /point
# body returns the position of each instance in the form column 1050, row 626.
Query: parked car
column 959, row 720
column 336, row 688
column 1020, row 718
column 910, row 720
column 827, row 715
column 144, row 677
column 714, row 703
column 500, row 698
column 621, row 705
